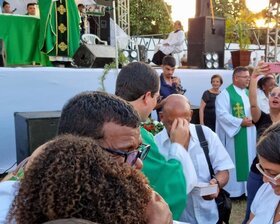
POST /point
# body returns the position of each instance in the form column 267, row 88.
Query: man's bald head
column 175, row 106
column 176, row 102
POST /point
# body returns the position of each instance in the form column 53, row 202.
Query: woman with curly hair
column 72, row 177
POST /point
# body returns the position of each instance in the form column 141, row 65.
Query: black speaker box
column 202, row 39
column 32, row 129
column 94, row 56
column 100, row 26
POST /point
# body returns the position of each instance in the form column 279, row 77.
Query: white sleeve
column 178, row 152
column 228, row 122
column 176, row 38
column 218, row 155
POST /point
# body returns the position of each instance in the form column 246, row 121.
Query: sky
column 182, row 10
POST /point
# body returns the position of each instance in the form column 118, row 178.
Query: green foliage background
column 150, row 17
column 153, row 17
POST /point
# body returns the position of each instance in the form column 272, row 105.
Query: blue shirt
column 165, row 89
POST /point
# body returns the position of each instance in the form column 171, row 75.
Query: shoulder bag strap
column 204, row 146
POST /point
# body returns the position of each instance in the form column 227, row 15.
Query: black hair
column 217, row 76
column 5, row 3
column 268, row 145
column 262, row 81
column 86, row 113
column 30, row 4
column 136, row 79
column 169, row 60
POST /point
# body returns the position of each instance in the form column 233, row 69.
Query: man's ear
column 147, row 96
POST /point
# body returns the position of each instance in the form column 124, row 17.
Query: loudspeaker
column 33, row 129
column 100, row 26
column 202, row 39
column 94, row 56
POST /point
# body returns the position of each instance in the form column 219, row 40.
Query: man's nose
column 138, row 164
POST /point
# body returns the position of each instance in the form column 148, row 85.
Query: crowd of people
column 91, row 171
column 104, row 167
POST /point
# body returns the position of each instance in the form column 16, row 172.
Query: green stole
column 240, row 139
column 165, row 177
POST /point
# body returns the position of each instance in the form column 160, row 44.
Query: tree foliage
column 239, row 21
column 150, row 17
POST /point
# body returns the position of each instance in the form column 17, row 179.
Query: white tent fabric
column 122, row 37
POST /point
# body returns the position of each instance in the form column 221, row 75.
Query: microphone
column 15, row 9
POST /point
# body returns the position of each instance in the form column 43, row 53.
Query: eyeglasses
column 244, row 77
column 274, row 95
column 131, row 157
column 270, row 179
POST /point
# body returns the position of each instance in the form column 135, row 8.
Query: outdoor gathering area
column 139, row 111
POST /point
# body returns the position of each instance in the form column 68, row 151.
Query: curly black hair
column 74, row 178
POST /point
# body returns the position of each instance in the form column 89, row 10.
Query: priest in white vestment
column 236, row 131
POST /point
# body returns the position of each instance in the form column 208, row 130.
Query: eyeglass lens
column 274, row 95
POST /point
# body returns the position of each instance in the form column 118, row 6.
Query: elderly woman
column 266, row 205
column 207, row 114
column 72, row 177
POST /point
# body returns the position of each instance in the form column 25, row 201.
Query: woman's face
column 274, row 98
column 216, row 83
column 269, row 85
column 271, row 170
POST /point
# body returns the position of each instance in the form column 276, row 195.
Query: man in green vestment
column 235, row 128
column 59, row 27
column 138, row 83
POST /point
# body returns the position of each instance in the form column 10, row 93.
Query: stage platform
column 47, row 89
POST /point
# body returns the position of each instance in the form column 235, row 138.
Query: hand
column 246, row 122
column 261, row 69
column 176, row 80
column 158, row 210
column 212, row 196
column 180, row 132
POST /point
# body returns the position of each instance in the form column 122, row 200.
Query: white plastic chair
column 89, row 38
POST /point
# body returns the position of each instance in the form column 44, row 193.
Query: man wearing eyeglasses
column 235, row 128
column 171, row 177
column 109, row 120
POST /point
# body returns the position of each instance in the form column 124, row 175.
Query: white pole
column 115, row 31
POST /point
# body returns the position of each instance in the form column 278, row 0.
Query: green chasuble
column 166, row 177
column 59, row 27
column 240, row 139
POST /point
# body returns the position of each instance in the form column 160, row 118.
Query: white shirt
column 197, row 209
column 8, row 190
column 175, row 41
column 264, row 205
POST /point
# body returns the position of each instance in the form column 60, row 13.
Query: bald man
column 176, row 116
